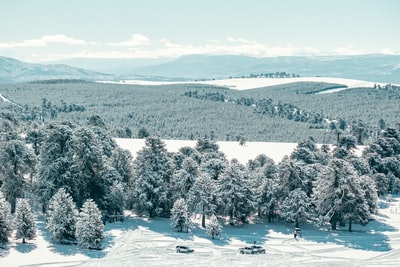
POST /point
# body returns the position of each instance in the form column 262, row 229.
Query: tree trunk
column 296, row 224
column 333, row 222
column 203, row 218
column 23, row 240
column 350, row 225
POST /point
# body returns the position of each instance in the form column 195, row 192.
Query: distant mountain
column 377, row 68
column 374, row 67
column 12, row 71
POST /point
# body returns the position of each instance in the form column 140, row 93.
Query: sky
column 47, row 30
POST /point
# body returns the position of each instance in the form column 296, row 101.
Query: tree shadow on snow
column 68, row 249
column 369, row 237
column 25, row 247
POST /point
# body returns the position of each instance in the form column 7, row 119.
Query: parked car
column 258, row 249
column 252, row 250
column 183, row 249
column 246, row 250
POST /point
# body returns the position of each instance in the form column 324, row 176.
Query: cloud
column 136, row 40
column 45, row 40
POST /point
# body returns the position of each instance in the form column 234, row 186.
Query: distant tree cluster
column 274, row 75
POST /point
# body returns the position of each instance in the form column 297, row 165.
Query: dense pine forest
column 285, row 113
column 57, row 147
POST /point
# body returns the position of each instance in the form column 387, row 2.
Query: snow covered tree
column 24, row 221
column 184, row 178
column 267, row 199
column 236, row 194
column 202, row 196
column 152, row 175
column 180, row 216
column 89, row 226
column 16, row 160
column 56, row 164
column 122, row 161
column 115, row 200
column 339, row 196
column 61, row 217
column 296, row 207
column 214, row 228
column 5, row 223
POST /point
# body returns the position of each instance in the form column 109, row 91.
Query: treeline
column 210, row 112
column 312, row 185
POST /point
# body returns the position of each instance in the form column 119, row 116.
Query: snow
column 151, row 242
column 252, row 83
column 250, row 150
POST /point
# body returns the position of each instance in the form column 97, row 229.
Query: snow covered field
column 143, row 242
column 252, row 83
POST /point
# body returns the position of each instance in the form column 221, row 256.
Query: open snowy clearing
column 232, row 150
column 252, row 83
column 143, row 242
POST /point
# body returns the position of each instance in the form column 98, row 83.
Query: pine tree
column 202, row 196
column 24, row 221
column 56, row 164
column 184, row 178
column 61, row 217
column 180, row 216
column 214, row 228
column 296, row 207
column 152, row 174
column 16, row 160
column 236, row 194
column 339, row 196
column 5, row 223
column 267, row 199
column 89, row 226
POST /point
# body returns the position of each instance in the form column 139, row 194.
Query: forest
column 285, row 113
column 59, row 159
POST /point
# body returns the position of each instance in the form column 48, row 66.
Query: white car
column 246, row 250
column 183, row 249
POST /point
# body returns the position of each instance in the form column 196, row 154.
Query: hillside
column 281, row 113
column 374, row 67
column 13, row 71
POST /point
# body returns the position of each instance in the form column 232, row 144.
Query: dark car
column 183, row 249
column 258, row 249
column 246, row 250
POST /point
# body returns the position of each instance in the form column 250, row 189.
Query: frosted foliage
column 5, row 224
column 24, row 221
column 339, row 196
column 214, row 228
column 89, row 226
column 180, row 216
column 152, row 173
column 61, row 217
column 296, row 207
column 236, row 192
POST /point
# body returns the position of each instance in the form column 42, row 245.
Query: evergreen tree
column 89, row 226
column 296, row 207
column 56, row 164
column 122, row 161
column 202, row 196
column 16, row 161
column 184, row 178
column 236, row 194
column 61, row 217
column 152, row 174
column 339, row 196
column 5, row 223
column 115, row 199
column 214, row 228
column 24, row 221
column 180, row 216
column 268, row 199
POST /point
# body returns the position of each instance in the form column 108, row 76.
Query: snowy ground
column 143, row 242
column 251, row 83
column 250, row 150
